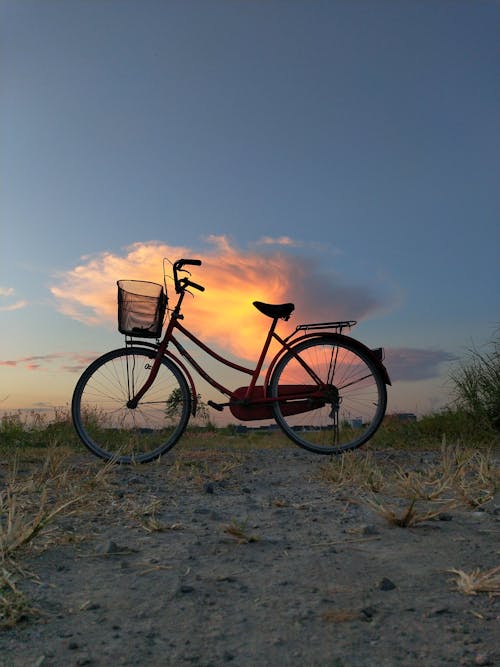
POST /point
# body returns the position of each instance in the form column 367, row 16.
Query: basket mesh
column 141, row 308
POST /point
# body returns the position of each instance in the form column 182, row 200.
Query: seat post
column 263, row 354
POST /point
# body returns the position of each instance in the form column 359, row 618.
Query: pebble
column 108, row 547
column 386, row 585
column 438, row 611
column 368, row 612
column 186, row 588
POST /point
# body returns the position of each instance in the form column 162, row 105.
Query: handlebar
column 181, row 284
column 181, row 262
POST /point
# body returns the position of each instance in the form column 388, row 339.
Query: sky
column 338, row 154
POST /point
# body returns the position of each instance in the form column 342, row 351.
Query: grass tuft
column 411, row 515
column 477, row 581
column 354, row 469
column 239, row 530
column 14, row 605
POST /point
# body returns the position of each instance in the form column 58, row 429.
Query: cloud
column 282, row 240
column 412, row 364
column 14, row 306
column 8, row 292
column 54, row 361
column 233, row 278
column 31, row 362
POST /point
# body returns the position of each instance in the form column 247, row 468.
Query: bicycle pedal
column 217, row 406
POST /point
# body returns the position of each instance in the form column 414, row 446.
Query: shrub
column 476, row 383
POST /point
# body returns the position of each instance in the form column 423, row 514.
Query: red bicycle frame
column 248, row 397
column 292, row 397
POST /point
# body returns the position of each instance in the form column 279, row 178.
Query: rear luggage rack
column 345, row 324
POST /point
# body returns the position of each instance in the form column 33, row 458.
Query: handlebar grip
column 192, row 262
column 195, row 285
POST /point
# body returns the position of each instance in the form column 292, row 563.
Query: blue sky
column 351, row 144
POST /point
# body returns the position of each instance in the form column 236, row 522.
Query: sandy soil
column 255, row 562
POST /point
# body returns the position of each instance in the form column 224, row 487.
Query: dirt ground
column 256, row 560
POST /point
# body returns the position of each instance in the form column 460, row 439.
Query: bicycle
column 325, row 390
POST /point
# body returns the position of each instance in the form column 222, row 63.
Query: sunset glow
column 223, row 314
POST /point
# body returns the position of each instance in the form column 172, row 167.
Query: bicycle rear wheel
column 115, row 432
column 344, row 410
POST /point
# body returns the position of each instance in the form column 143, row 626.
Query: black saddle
column 284, row 310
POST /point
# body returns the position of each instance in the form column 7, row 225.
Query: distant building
column 405, row 416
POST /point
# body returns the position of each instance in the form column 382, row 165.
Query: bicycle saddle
column 284, row 310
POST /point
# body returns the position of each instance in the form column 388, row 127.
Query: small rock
column 108, row 547
column 134, row 480
column 368, row 613
column 483, row 660
column 186, row 588
column 386, row 585
column 439, row 611
column 445, row 516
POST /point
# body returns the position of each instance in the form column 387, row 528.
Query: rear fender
column 375, row 355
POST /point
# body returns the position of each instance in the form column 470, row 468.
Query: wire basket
column 141, row 308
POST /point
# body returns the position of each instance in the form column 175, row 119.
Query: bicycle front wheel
column 344, row 394
column 115, row 432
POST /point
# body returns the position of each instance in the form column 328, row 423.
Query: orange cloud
column 223, row 315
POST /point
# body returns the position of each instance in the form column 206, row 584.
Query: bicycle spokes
column 352, row 395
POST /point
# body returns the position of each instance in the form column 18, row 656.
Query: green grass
column 476, row 384
column 29, row 436
column 453, row 426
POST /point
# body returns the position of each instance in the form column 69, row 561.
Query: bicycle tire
column 114, row 432
column 354, row 394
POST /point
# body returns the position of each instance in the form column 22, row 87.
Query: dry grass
column 354, row 470
column 477, row 581
column 410, row 515
column 459, row 476
column 341, row 615
column 14, row 605
column 200, row 466
column 465, row 474
column 18, row 528
column 239, row 531
column 147, row 517
column 429, row 485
